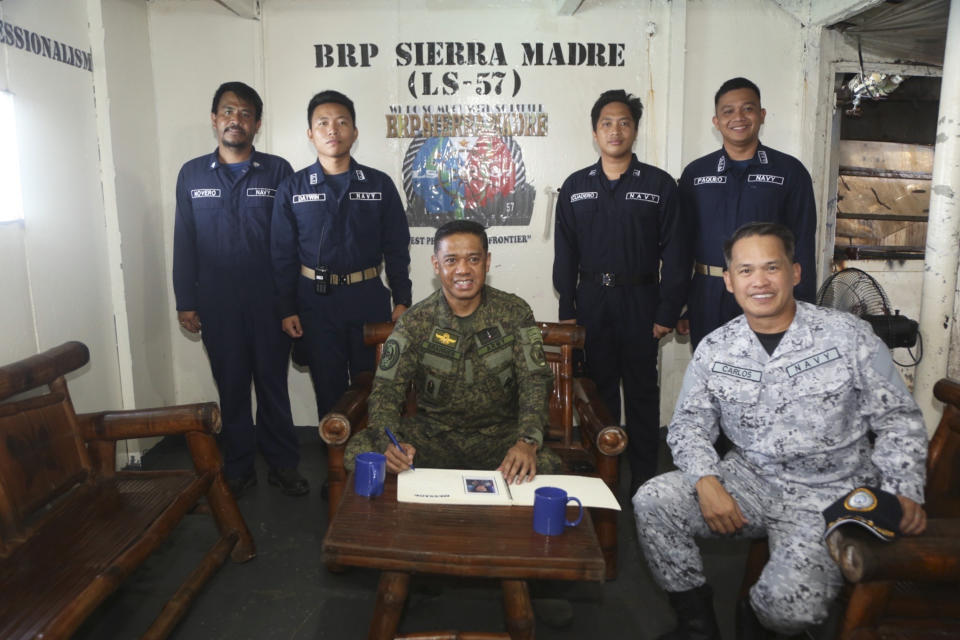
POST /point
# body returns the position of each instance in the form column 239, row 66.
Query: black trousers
column 246, row 344
column 333, row 334
column 620, row 348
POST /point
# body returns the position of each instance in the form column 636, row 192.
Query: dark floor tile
column 287, row 593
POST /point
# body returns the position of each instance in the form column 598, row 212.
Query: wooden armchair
column 592, row 449
column 72, row 528
column 908, row 588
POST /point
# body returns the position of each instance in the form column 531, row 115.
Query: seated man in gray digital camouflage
column 797, row 389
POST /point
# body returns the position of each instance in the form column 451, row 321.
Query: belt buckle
column 608, row 279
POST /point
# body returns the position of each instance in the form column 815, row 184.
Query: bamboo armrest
column 351, row 409
column 933, row 556
column 595, row 422
column 146, row 423
column 42, row 368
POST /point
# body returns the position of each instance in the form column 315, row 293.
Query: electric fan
column 857, row 292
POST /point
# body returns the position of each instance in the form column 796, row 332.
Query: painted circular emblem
column 861, row 500
column 466, row 178
column 390, row 355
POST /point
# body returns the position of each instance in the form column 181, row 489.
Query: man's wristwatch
column 529, row 440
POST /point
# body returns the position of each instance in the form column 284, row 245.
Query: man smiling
column 475, row 357
column 743, row 182
column 798, row 389
column 221, row 266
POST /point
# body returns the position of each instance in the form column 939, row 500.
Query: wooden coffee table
column 471, row 541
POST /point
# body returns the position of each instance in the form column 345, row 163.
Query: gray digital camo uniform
column 482, row 382
column 798, row 421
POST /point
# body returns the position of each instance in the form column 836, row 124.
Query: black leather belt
column 617, row 279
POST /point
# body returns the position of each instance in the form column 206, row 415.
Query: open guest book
column 466, row 486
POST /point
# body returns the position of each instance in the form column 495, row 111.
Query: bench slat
column 104, row 520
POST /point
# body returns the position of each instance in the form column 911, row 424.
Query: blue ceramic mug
column 550, row 511
column 369, row 474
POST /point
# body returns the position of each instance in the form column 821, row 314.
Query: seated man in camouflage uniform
column 796, row 388
column 475, row 357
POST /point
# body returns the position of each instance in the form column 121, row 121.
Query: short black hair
column 460, row 226
column 616, row 95
column 760, row 229
column 732, row 85
column 243, row 91
column 329, row 95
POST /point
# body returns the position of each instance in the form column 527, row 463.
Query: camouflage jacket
column 803, row 414
column 469, row 373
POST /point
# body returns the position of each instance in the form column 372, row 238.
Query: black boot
column 695, row 617
column 747, row 625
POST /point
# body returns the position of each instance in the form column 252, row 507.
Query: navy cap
column 877, row 511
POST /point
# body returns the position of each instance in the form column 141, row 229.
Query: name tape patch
column 765, row 177
column 309, row 197
column 205, row 193
column 813, row 362
column 583, row 195
column 366, row 195
column 736, row 372
column 709, row 180
column 261, row 192
column 643, row 197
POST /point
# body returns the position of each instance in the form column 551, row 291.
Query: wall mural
column 465, row 161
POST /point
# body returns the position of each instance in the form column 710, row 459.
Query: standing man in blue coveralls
column 616, row 221
column 334, row 224
column 743, row 182
column 224, row 289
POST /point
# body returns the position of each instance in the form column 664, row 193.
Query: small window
column 886, row 165
column 11, row 202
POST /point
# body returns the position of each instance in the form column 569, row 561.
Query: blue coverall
column 623, row 232
column 365, row 228
column 221, row 270
column 718, row 197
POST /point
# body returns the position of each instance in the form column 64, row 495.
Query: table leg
column 391, row 596
column 519, row 611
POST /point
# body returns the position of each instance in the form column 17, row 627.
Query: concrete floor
column 287, row 593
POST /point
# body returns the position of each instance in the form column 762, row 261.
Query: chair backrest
column 559, row 339
column 41, row 453
column 943, row 462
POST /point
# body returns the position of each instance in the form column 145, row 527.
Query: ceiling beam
column 568, row 7
column 249, row 9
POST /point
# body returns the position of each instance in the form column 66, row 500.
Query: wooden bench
column 71, row 527
column 591, row 449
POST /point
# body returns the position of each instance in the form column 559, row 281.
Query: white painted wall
column 194, row 46
column 59, row 264
column 190, row 42
column 164, row 59
column 132, row 107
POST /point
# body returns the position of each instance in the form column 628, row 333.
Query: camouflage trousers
column 799, row 581
column 440, row 447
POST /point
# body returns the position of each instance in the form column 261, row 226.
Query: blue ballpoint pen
column 393, row 439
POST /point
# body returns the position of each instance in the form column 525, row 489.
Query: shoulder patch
column 393, row 348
